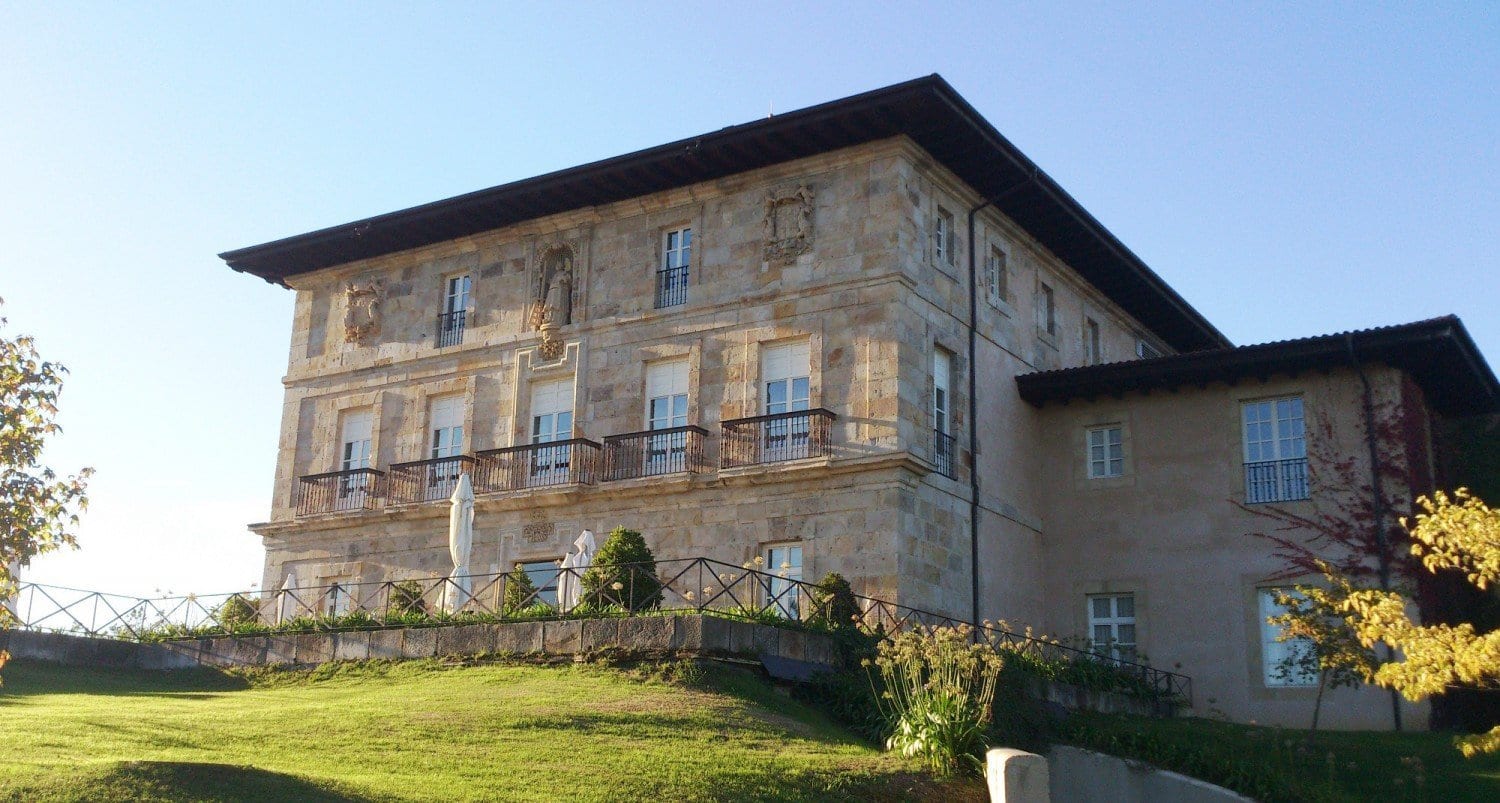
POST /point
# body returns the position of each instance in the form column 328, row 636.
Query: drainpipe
column 973, row 391
column 1378, row 494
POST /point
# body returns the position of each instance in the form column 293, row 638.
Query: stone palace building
column 869, row 337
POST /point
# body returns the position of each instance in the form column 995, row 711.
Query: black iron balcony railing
column 671, row 287
column 1276, row 480
column 777, row 437
column 647, row 454
column 337, row 491
column 942, row 452
column 450, row 328
column 427, row 480
column 538, row 465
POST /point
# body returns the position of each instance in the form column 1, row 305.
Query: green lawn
column 424, row 730
column 1272, row 764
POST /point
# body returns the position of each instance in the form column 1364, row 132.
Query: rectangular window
column 354, row 454
column 551, row 422
column 1106, row 452
column 942, row 237
column 445, row 438
column 1112, row 626
column 452, row 319
column 1093, row 347
column 786, row 384
column 942, row 422
column 1275, row 450
column 666, row 408
column 1284, row 663
column 785, row 562
column 997, row 275
column 1046, row 310
column 672, row 275
column 543, row 575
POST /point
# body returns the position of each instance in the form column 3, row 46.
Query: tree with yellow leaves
column 1454, row 533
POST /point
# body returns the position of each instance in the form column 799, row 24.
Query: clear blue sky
column 1290, row 171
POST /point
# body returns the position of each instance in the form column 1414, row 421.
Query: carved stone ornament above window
column 788, row 223
column 552, row 296
column 362, row 310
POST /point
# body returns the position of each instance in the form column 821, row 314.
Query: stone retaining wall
column 644, row 636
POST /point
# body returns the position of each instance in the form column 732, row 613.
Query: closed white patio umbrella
column 286, row 602
column 457, row 592
column 582, row 557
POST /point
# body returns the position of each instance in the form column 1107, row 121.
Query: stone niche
column 554, row 278
column 788, row 223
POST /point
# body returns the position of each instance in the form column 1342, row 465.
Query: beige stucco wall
column 1168, row 532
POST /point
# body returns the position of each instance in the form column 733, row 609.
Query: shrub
column 833, row 601
column 520, row 592
column 235, row 612
column 938, row 698
column 624, row 573
column 405, row 601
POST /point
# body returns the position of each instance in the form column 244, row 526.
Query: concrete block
column 687, row 633
column 216, row 651
column 518, row 638
column 281, row 649
column 716, row 635
column 786, row 643
column 313, row 648
column 420, row 642
column 351, row 646
column 465, row 640
column 385, row 644
column 646, row 634
column 562, row 638
column 599, row 634
column 1015, row 776
column 166, row 656
column 248, row 650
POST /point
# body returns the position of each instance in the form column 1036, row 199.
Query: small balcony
column 648, row 454
column 450, row 328
column 537, row 465
column 778, row 437
column 427, row 480
column 671, row 287
column 1276, row 481
column 340, row 491
column 943, row 446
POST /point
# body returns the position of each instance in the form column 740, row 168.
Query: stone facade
column 857, row 257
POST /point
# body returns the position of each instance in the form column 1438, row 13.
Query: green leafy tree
column 624, row 573
column 405, row 600
column 38, row 509
column 235, row 612
column 1334, row 653
column 520, row 592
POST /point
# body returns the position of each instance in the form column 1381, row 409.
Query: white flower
column 617, row 586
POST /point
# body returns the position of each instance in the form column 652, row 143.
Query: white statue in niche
column 552, row 307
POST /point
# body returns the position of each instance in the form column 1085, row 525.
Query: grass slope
column 425, row 730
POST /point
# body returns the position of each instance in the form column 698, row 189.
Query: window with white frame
column 551, row 422
column 672, row 274
column 454, row 317
column 997, row 275
column 666, row 408
column 942, row 237
column 1275, row 450
column 354, row 454
column 1287, row 662
column 786, row 388
column 1112, row 625
column 1106, row 452
column 445, row 439
column 543, row 575
column 942, row 423
column 1046, row 309
column 784, row 562
column 1093, row 345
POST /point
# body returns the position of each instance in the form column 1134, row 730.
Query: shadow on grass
column 26, row 678
column 164, row 781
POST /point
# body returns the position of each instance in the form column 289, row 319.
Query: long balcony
column 340, row 491
column 427, row 480
column 778, row 437
column 648, row 454
column 537, row 465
